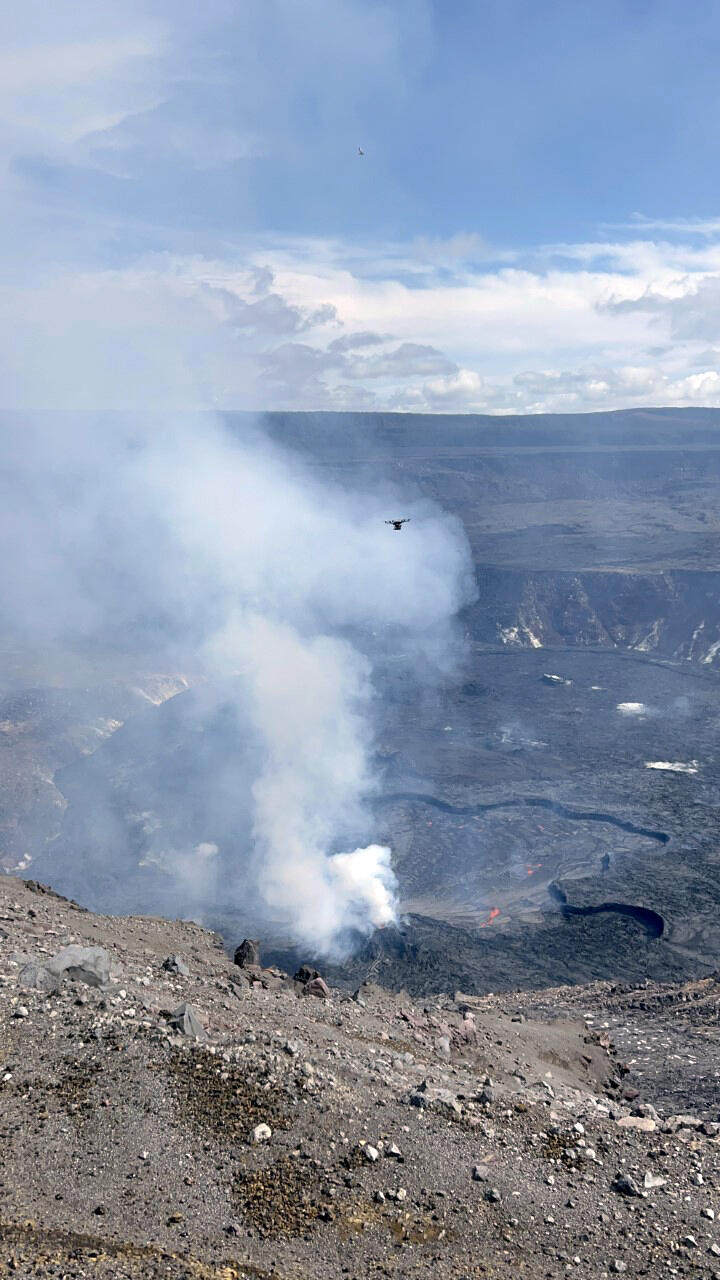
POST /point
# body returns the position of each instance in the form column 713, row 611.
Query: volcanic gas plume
column 226, row 554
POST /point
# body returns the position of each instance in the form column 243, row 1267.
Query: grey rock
column 480, row 1173
column 445, row 1104
column 644, row 1124
column 673, row 1123
column 35, row 977
column 21, row 1011
column 188, row 1020
column 176, row 964
column 617, row 1266
column 646, row 1109
column 493, row 1195
column 81, row 964
column 371, row 1153
column 317, row 987
column 653, row 1181
column 689, row 1242
column 626, row 1186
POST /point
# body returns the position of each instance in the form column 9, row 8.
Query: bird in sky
column 398, row 524
column 360, row 151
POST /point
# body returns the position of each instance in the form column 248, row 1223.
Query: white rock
column 371, row 1153
column 645, row 1123
column 261, row 1133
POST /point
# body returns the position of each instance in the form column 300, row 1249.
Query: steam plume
column 226, row 549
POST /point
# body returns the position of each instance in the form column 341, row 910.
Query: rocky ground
column 168, row 1113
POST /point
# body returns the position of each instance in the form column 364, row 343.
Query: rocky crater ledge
column 167, row 1112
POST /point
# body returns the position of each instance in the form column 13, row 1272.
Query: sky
column 186, row 220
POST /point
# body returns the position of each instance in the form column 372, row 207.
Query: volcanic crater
column 551, row 805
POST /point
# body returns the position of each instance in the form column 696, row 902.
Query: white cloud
column 691, row 308
column 306, row 324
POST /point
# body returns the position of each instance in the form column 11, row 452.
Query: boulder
column 35, row 977
column 176, row 964
column 305, row 973
column 653, row 1182
column 625, row 1185
column 445, row 1104
column 442, row 1101
column 317, row 987
column 189, row 1021
column 247, row 955
column 81, row 964
column 644, row 1123
column 673, row 1123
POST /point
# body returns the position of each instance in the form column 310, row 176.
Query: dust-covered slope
column 168, row 1113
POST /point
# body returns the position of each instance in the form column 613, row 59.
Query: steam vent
column 381, row 938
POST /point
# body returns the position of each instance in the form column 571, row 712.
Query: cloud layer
column 184, row 202
column 316, row 325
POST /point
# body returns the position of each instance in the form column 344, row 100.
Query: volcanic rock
column 81, row 964
column 169, row 1133
column 36, row 977
column 317, row 987
column 305, row 973
column 626, row 1186
column 188, row 1021
column 247, row 955
column 644, row 1123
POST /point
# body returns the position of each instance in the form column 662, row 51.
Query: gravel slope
column 453, row 1136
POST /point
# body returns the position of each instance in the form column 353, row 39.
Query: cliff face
column 598, row 530
column 675, row 614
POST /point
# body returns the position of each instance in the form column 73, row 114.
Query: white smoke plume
column 229, row 553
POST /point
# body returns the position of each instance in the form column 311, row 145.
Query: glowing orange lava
column 494, row 912
column 531, row 870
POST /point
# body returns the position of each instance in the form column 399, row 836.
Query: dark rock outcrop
column 247, row 955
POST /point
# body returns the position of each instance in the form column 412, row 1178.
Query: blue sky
column 186, row 220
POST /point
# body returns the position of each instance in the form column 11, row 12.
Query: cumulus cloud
column 296, row 327
column 690, row 308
